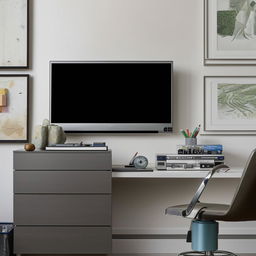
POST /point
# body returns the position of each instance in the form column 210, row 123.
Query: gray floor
column 167, row 254
column 137, row 254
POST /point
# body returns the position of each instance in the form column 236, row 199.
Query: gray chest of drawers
column 62, row 202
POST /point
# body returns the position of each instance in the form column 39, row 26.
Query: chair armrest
column 201, row 188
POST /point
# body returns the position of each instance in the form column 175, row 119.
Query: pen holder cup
column 191, row 141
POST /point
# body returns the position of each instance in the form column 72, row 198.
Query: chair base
column 215, row 253
column 204, row 236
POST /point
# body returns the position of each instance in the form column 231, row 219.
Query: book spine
column 188, row 161
column 187, row 158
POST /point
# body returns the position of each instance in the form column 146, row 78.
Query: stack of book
column 96, row 146
column 200, row 149
column 195, row 157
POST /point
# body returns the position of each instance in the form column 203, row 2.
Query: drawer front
column 62, row 240
column 62, row 182
column 62, row 210
column 62, row 160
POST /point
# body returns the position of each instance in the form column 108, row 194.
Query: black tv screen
column 111, row 96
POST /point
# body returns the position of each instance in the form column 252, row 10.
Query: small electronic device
column 136, row 164
column 139, row 162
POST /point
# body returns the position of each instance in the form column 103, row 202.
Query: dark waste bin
column 6, row 239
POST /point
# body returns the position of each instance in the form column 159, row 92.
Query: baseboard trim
column 178, row 236
column 177, row 243
column 179, row 231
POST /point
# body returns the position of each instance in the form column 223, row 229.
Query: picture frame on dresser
column 229, row 34
column 229, row 105
column 14, row 34
column 14, row 107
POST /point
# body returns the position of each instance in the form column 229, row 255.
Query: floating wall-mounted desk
column 232, row 173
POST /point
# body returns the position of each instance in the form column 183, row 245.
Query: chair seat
column 202, row 211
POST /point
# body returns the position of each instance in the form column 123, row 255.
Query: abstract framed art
column 230, row 104
column 14, row 108
column 229, row 32
column 14, row 37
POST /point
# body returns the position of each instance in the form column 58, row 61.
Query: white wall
column 130, row 30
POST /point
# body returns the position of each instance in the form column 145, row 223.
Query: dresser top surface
column 61, row 151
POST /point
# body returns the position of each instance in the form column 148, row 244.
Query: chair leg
column 216, row 253
column 192, row 253
column 224, row 253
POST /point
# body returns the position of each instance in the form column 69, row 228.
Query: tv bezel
column 114, row 127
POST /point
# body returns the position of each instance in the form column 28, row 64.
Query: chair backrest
column 243, row 206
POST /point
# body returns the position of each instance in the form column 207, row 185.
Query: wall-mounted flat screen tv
column 112, row 96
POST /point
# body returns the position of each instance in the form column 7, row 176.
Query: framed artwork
column 14, row 33
column 14, row 108
column 229, row 32
column 230, row 104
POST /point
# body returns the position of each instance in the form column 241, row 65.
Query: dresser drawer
column 62, row 209
column 68, row 160
column 62, row 182
column 62, row 240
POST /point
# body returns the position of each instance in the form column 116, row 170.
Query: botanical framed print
column 230, row 32
column 14, row 33
column 14, row 108
column 230, row 104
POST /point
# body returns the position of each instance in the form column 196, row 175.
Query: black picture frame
column 26, row 100
column 26, row 65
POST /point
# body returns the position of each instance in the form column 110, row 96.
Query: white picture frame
column 226, row 40
column 14, row 36
column 229, row 105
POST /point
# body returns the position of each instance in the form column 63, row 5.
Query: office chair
column 203, row 232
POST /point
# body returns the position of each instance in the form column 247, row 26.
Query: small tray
column 122, row 168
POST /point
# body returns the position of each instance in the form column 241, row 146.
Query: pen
column 194, row 133
column 184, row 133
column 198, row 129
column 188, row 133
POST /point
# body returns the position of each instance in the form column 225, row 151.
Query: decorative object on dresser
column 230, row 36
column 48, row 134
column 14, row 108
column 14, row 34
column 229, row 104
column 62, row 202
column 29, row 147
